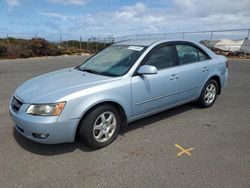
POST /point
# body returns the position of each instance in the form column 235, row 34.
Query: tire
column 207, row 99
column 100, row 126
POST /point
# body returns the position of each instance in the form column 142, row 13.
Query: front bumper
column 30, row 126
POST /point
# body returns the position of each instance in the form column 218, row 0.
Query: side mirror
column 147, row 69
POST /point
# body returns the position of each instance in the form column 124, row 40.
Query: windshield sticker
column 136, row 48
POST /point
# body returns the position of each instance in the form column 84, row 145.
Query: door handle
column 205, row 69
column 174, row 77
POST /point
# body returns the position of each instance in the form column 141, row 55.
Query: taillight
column 227, row 64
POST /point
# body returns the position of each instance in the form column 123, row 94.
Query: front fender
column 77, row 104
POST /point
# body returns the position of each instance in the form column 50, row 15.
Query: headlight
column 46, row 109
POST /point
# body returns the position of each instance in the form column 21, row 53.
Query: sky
column 121, row 17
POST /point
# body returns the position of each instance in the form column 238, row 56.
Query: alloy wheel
column 104, row 126
column 210, row 93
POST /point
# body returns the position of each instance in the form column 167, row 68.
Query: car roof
column 148, row 42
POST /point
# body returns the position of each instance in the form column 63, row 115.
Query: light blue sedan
column 125, row 82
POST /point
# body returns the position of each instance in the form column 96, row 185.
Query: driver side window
column 161, row 57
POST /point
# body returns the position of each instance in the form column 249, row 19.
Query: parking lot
column 145, row 154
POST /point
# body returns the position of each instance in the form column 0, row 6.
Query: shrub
column 3, row 51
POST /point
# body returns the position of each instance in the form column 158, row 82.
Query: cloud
column 13, row 3
column 212, row 14
column 176, row 16
column 67, row 2
column 203, row 8
column 127, row 19
column 57, row 15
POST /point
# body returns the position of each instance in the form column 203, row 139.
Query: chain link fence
column 13, row 45
column 227, row 42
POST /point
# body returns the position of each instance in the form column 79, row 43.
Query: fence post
column 80, row 42
column 8, row 42
column 183, row 35
column 66, row 40
column 95, row 46
column 88, row 46
column 247, row 39
column 211, row 38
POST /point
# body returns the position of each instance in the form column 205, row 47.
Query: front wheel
column 208, row 94
column 101, row 126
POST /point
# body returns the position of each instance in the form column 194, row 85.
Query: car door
column 157, row 91
column 192, row 72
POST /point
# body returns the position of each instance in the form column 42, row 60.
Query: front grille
column 16, row 104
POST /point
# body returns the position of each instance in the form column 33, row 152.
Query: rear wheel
column 101, row 126
column 208, row 94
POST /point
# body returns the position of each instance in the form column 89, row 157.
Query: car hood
column 52, row 86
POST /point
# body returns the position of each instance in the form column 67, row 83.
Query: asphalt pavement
column 214, row 142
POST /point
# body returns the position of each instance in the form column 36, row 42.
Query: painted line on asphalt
column 183, row 150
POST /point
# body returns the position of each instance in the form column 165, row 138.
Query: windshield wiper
column 95, row 72
column 89, row 71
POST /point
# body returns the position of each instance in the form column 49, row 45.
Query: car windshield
column 115, row 60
